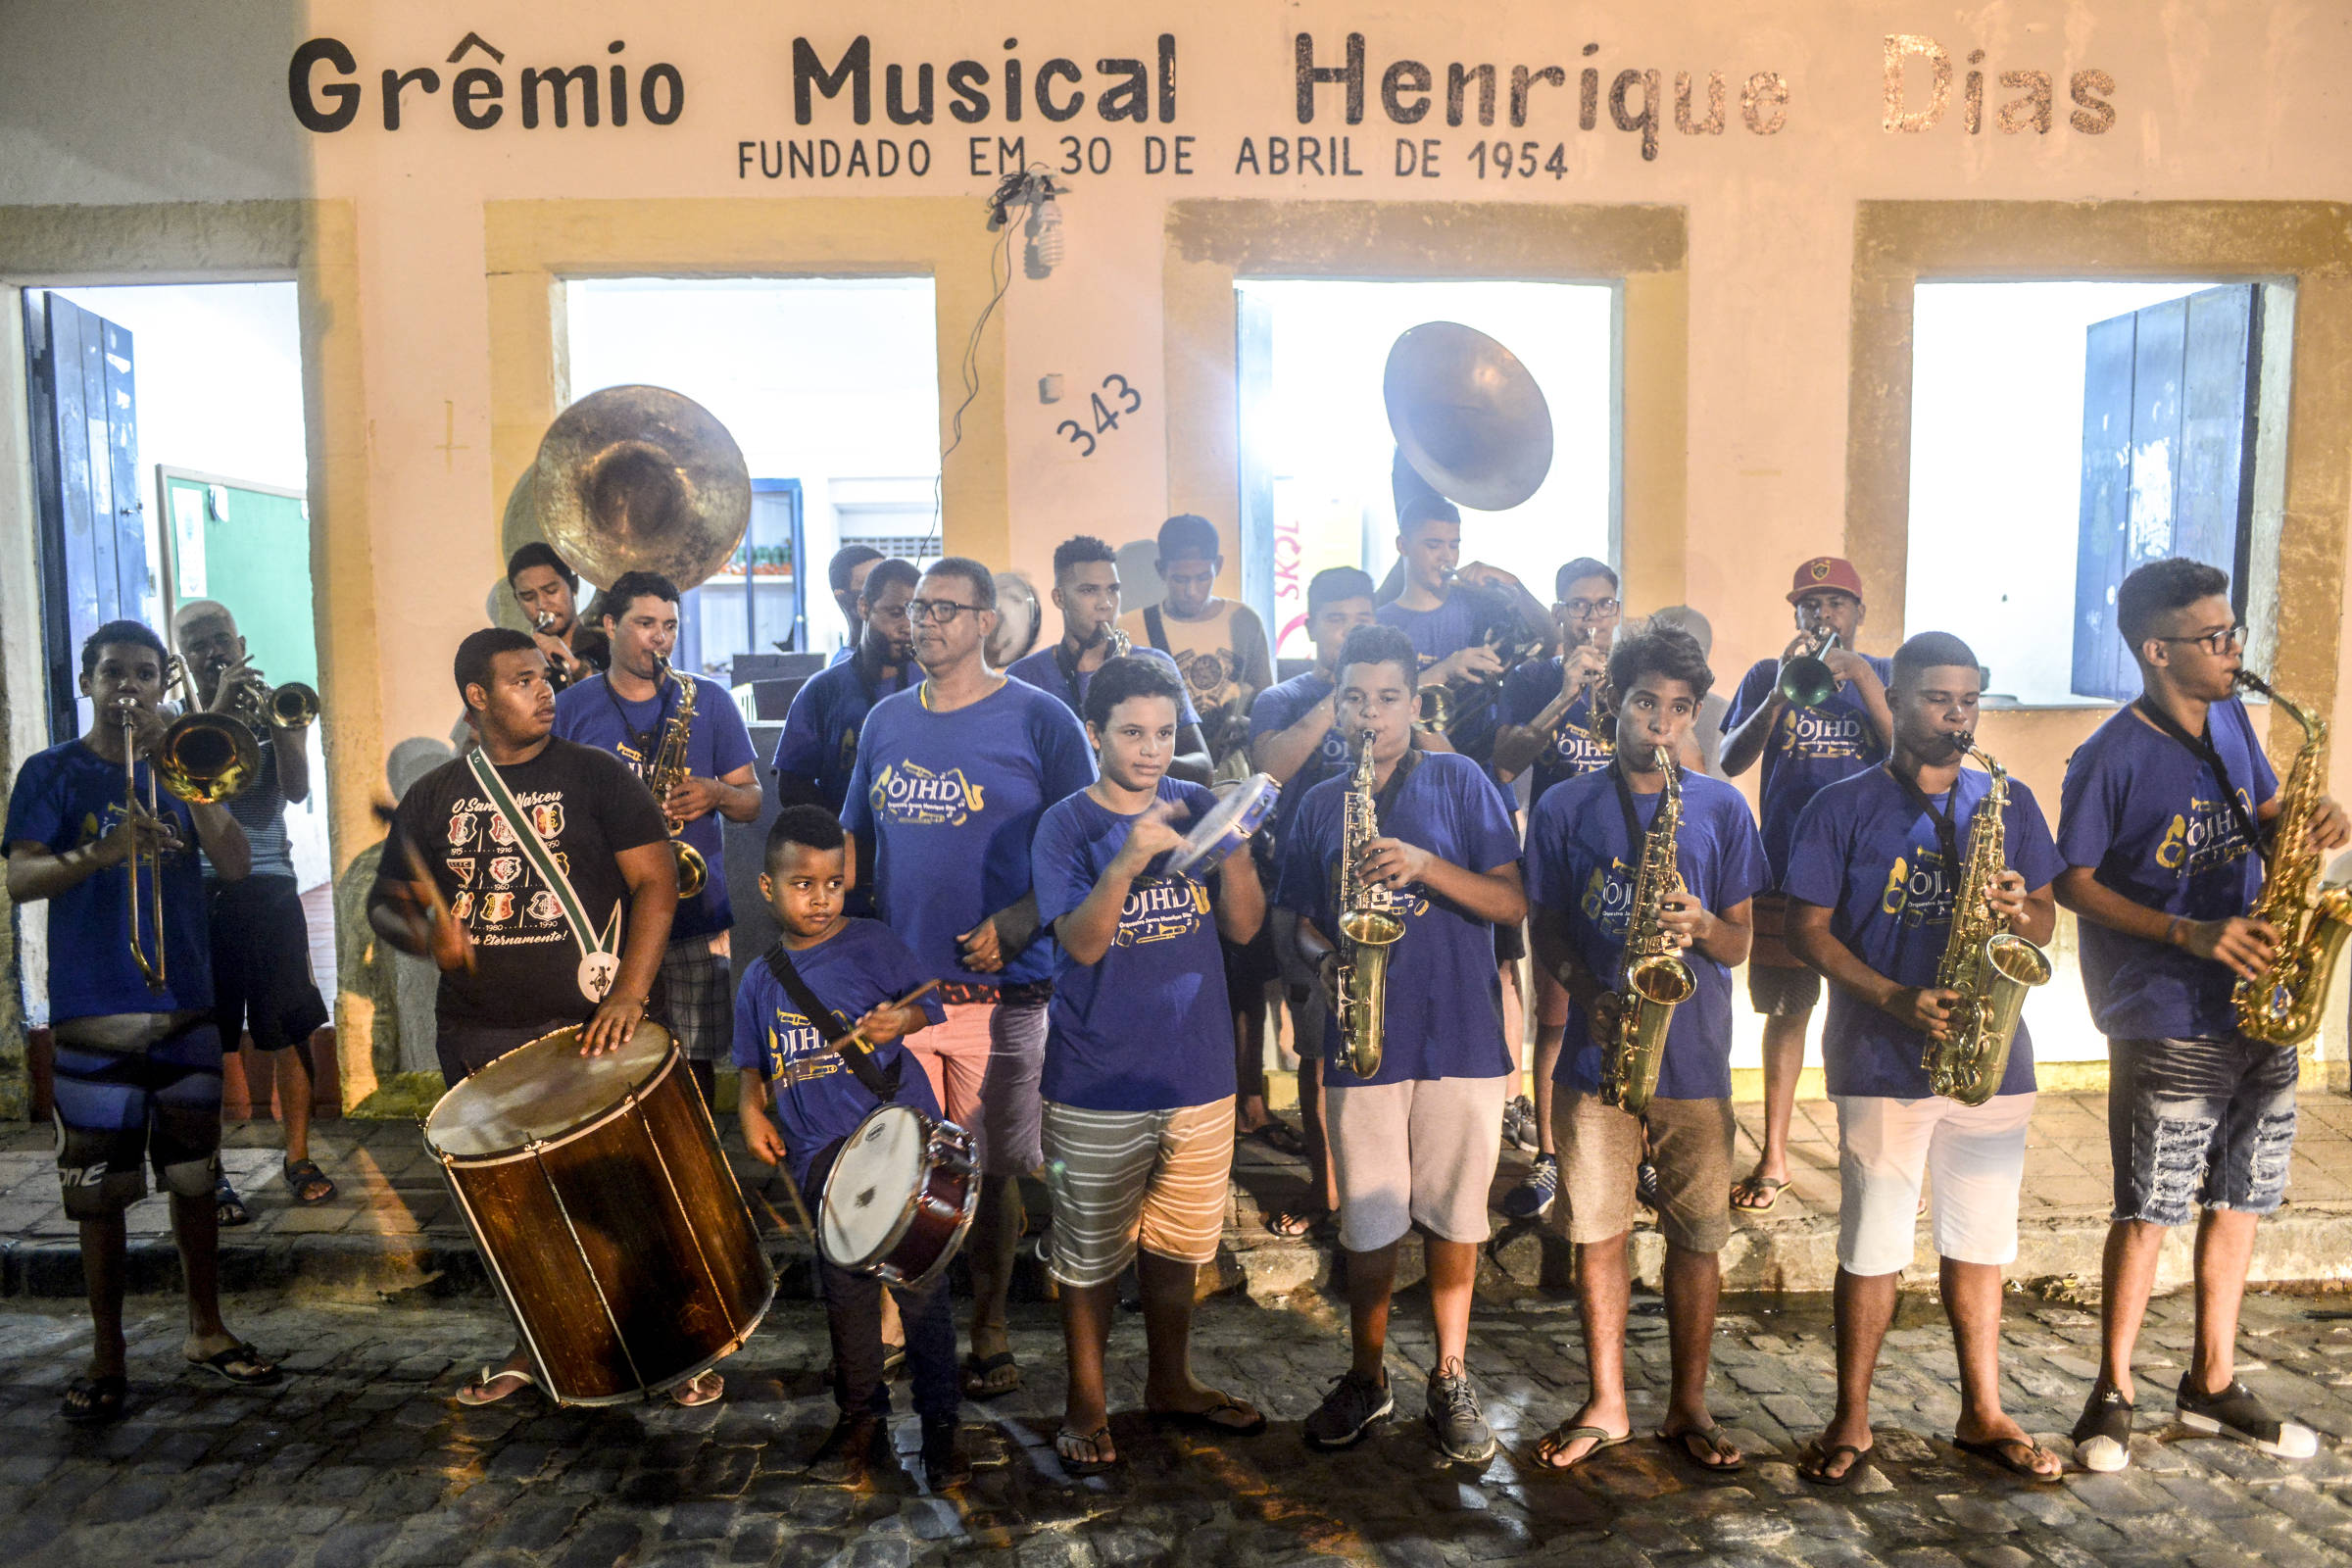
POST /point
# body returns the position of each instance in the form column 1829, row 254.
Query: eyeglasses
column 1590, row 608
column 941, row 611
column 2213, row 642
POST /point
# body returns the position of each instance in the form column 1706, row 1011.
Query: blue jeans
column 2194, row 1123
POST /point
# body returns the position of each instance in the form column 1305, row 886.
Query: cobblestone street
column 361, row 1457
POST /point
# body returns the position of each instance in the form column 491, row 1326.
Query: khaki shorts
column 985, row 1064
column 1124, row 1178
column 1600, row 1157
column 1417, row 1153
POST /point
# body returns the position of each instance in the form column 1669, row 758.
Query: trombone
column 203, row 758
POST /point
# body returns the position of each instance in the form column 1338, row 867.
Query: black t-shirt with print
column 588, row 808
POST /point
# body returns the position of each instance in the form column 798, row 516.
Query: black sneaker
column 1645, row 1188
column 946, row 1465
column 853, row 1451
column 1533, row 1196
column 1456, row 1423
column 1519, row 1122
column 1347, row 1412
column 2103, row 1437
column 2236, row 1412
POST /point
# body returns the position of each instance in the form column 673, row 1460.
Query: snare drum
column 606, row 1213
column 899, row 1197
column 1239, row 813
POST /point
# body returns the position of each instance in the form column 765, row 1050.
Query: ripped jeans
column 2199, row 1123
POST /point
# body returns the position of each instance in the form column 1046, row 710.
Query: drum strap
column 599, row 952
column 883, row 1082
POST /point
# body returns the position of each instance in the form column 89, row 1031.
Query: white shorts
column 1977, row 1155
column 1420, row 1151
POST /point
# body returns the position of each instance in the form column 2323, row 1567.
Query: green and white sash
column 600, row 954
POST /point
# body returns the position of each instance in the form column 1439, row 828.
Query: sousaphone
column 640, row 478
column 1470, row 422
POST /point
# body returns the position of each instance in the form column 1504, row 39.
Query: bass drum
column 606, row 1213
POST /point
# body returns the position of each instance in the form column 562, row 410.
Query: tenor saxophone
column 1368, row 927
column 669, row 767
column 2282, row 1005
column 1989, row 965
column 1655, row 979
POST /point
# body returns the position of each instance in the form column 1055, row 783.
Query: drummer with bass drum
column 537, row 874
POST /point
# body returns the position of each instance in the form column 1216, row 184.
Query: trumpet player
column 629, row 710
column 1588, row 841
column 130, row 999
column 1804, row 748
column 547, row 589
column 1876, row 871
column 2161, row 824
column 261, row 942
column 1085, row 590
column 1415, row 1143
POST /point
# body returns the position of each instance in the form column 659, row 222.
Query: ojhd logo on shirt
column 1825, row 735
column 1161, row 910
column 1608, row 900
column 1918, row 893
column 796, row 1053
column 1579, row 750
column 912, row 794
column 2207, row 836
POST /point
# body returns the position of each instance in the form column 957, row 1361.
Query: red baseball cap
column 1826, row 572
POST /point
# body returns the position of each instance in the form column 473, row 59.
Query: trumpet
column 1806, row 681
column 292, row 706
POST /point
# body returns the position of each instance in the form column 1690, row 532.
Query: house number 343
column 1106, row 417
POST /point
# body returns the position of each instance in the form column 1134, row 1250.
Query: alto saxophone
column 1368, row 927
column 2282, row 1007
column 667, row 769
column 1989, row 965
column 1655, row 979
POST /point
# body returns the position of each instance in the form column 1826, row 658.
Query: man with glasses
column 1804, row 750
column 1548, row 720
column 951, row 780
column 2161, row 826
column 1085, row 590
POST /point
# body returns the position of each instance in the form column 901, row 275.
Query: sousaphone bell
column 641, row 478
column 1468, row 418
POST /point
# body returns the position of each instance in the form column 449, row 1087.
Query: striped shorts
column 1124, row 1177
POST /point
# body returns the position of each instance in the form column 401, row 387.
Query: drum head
column 540, row 1092
column 867, row 1194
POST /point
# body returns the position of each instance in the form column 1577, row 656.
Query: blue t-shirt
column 1571, row 748
column 1147, row 1027
column 1581, row 865
column 1869, row 854
column 1043, row 671
column 2151, row 822
column 820, row 729
column 70, row 796
column 817, row 1099
column 592, row 713
column 1809, row 749
column 940, row 796
column 1444, row 1002
column 1277, row 708
column 1439, row 634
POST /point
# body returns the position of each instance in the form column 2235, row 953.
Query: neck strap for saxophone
column 600, row 951
column 1383, row 799
column 1637, row 837
column 2201, row 747
column 643, row 742
column 1948, row 825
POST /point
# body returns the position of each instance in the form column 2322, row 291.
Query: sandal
column 1281, row 1137
column 1645, row 1188
column 93, row 1401
column 1718, row 1443
column 701, row 1389
column 1998, row 1452
column 1756, row 1194
column 228, row 1208
column 308, row 1182
column 240, row 1364
column 1814, row 1463
column 1250, row 1423
column 981, row 1380
column 1314, row 1224
column 478, row 1392
column 1564, row 1434
column 1095, row 1443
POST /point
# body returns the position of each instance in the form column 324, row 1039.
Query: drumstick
column 857, row 1042
column 420, row 878
column 792, row 1191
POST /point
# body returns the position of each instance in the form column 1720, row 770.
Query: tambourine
column 1238, row 814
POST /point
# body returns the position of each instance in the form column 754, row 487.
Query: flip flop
column 256, row 1373
column 1561, row 1436
column 1252, row 1422
column 94, row 1401
column 701, row 1389
column 1813, row 1464
column 1281, row 1137
column 1094, row 1441
column 488, row 1376
column 1998, row 1453
column 1768, row 1188
column 1718, row 1441
column 229, row 1209
column 980, row 1376
column 303, row 1176
column 1300, row 1223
